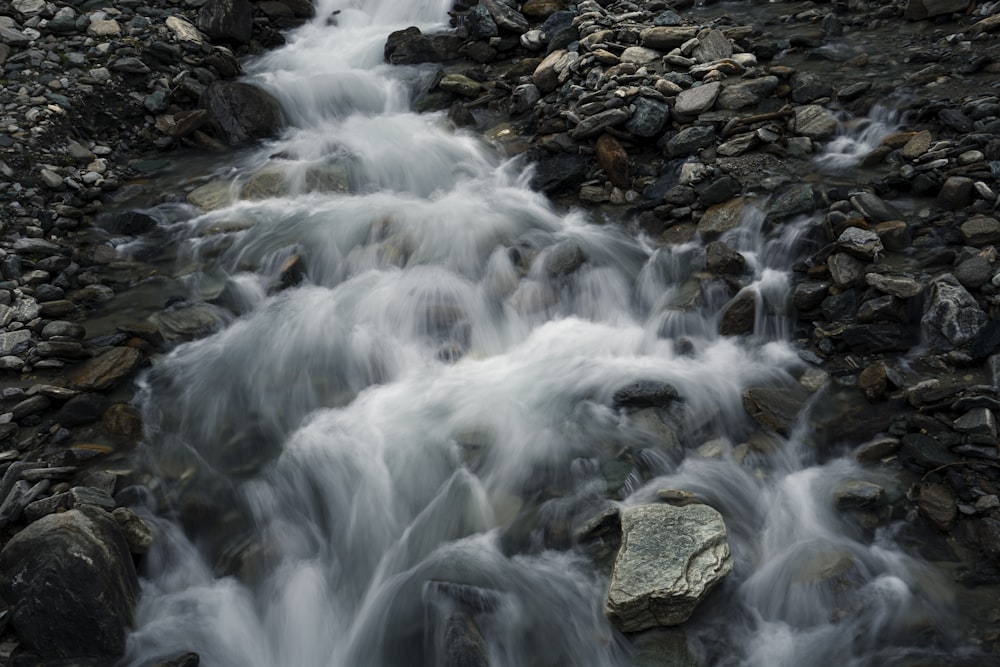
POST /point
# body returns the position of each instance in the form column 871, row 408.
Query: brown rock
column 917, row 145
column 542, row 8
column 874, row 381
column 937, row 504
column 613, row 160
column 723, row 217
column 107, row 370
column 739, row 314
column 123, row 421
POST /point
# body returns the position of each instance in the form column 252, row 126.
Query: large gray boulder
column 241, row 112
column 670, row 558
column 227, row 20
column 71, row 585
column 952, row 317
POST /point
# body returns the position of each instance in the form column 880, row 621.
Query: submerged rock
column 670, row 558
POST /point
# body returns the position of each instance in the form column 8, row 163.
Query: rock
column 71, row 585
column 242, row 112
column 856, row 493
column 82, row 409
column 559, row 173
column 14, row 342
column 669, row 560
column 722, row 218
column 107, row 370
column 648, row 118
column 591, row 126
column 480, row 24
column 814, row 121
column 665, row 38
column 506, row 17
column 807, row 87
column 873, row 381
column 957, row 192
column 974, row 272
column 795, row 201
column 184, row 30
column 564, row 258
column 546, row 74
column 874, row 208
column 980, row 232
column 739, row 314
column 862, row 243
column 774, row 409
column 978, row 422
column 952, row 317
column 698, row 99
column 645, row 394
column 937, row 503
column 541, row 9
column 613, row 159
column 720, row 258
column 917, row 10
column 184, row 660
column 917, row 145
column 925, row 451
column 640, row 55
column 459, row 84
column 895, row 235
column 690, row 139
column 131, row 223
column 227, row 20
column 717, row 191
column 104, row 28
column 137, row 533
column 902, row 286
column 845, row 270
column 712, row 46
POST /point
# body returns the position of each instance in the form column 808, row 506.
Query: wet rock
column 613, row 159
column 814, row 121
column 861, row 243
column 794, row 201
column 506, row 17
column 698, row 99
column 665, row 38
column 565, row 257
column 846, row 270
column 107, row 370
column 670, row 558
column 917, row 10
column 242, row 112
column 807, row 87
column 925, row 451
column 227, row 20
column 739, row 315
column 720, row 258
column 648, row 118
column 82, row 409
column 718, row 191
column 776, row 409
column 952, row 317
column 591, row 126
column 71, row 584
column 957, row 192
column 560, row 172
column 184, row 660
column 903, row 287
column 856, row 493
column 974, row 272
column 480, row 24
column 645, row 394
column 712, row 45
column 137, row 533
column 874, row 208
column 690, row 140
column 722, row 218
column 873, row 381
column 937, row 503
column 980, row 232
column 979, row 422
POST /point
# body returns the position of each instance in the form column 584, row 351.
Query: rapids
column 425, row 423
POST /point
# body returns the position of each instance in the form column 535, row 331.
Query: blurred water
column 414, row 434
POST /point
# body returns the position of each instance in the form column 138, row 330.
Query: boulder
column 71, row 585
column 739, row 315
column 107, row 370
column 613, row 159
column 505, row 16
column 698, row 99
column 669, row 560
column 242, row 112
column 645, row 394
column 227, row 20
column 648, row 118
column 917, row 10
column 952, row 317
column 776, row 409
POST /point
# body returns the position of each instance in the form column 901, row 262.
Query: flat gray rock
column 670, row 558
column 698, row 99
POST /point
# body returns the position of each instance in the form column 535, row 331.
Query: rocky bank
column 670, row 120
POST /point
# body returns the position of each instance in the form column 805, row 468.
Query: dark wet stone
column 974, row 272
column 980, row 232
column 872, row 338
column 227, row 20
column 506, row 17
column 795, row 201
column 810, row 294
column 645, row 394
column 840, row 307
column 956, row 120
column 718, row 191
column 559, row 173
column 107, row 370
column 875, row 208
column 690, row 140
column 774, row 409
column 807, row 87
column 71, row 585
column 720, row 258
column 957, row 192
column 480, row 24
column 131, row 223
column 185, row 660
column 81, row 409
column 937, row 503
column 739, row 315
column 952, row 317
column 925, row 451
column 241, row 112
column 648, row 118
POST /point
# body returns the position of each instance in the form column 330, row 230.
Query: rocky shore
column 668, row 119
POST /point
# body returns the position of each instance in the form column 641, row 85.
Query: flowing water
column 420, row 429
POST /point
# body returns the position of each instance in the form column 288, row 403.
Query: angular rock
column 862, row 243
column 722, row 218
column 795, row 201
column 739, row 315
column 664, row 38
column 774, row 409
column 917, row 10
column 645, row 394
column 559, row 172
column 227, row 20
column 720, row 258
column 957, row 192
column 690, row 140
column 937, row 503
column 591, row 126
column 846, row 270
column 855, row 493
column 952, row 317
column 670, row 558
column 648, row 118
column 107, row 370
column 712, row 46
column 980, row 232
column 506, row 17
column 902, row 286
column 814, row 121
column 613, row 159
column 242, row 112
column 71, row 585
column 697, row 99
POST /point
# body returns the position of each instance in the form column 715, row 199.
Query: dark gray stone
column 71, row 585
column 690, row 140
column 795, row 201
column 648, row 118
column 241, row 112
column 739, row 315
column 227, row 20
column 776, row 409
column 645, row 394
column 952, row 317
column 480, row 24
